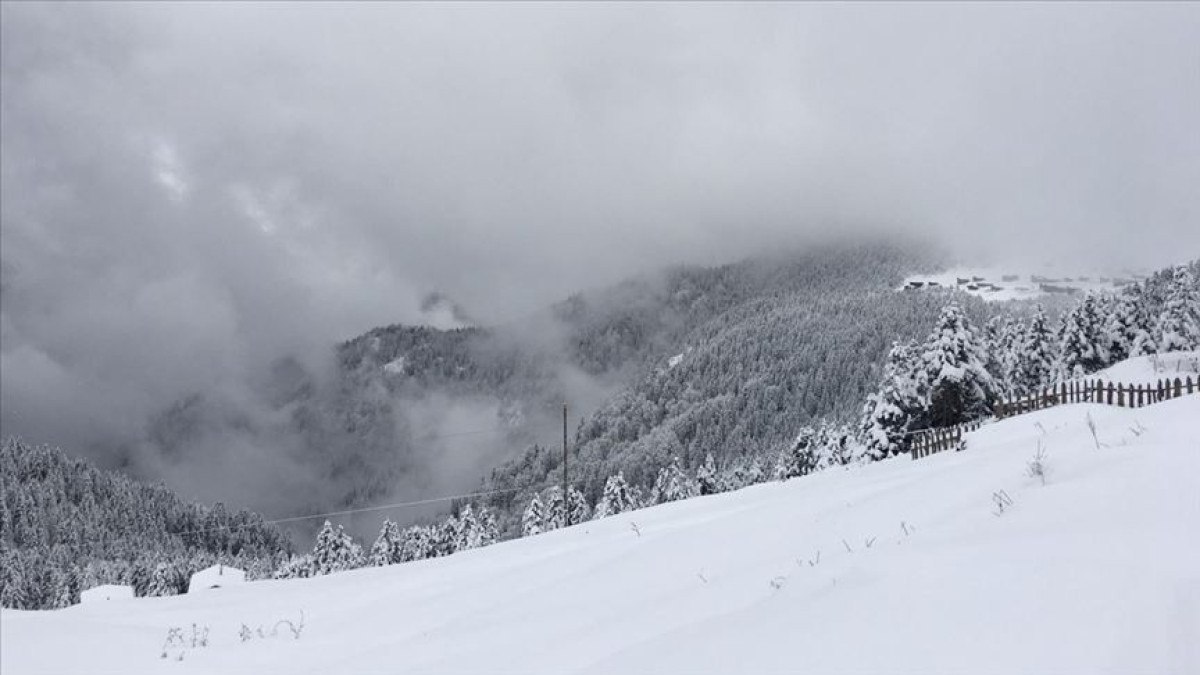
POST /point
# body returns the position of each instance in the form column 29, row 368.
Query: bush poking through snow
column 177, row 643
column 1091, row 424
column 294, row 627
column 1036, row 468
column 1002, row 501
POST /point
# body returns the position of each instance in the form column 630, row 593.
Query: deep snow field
column 1097, row 571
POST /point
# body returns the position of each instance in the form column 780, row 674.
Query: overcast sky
column 190, row 189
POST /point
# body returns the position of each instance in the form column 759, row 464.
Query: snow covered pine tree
column 960, row 388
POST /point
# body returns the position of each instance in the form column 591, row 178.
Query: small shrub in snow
column 1036, row 468
column 176, row 642
column 1091, row 424
column 294, row 627
column 1002, row 501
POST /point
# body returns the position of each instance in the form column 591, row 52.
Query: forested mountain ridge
column 372, row 429
column 66, row 526
column 792, row 342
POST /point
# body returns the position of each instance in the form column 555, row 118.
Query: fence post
column 1178, row 388
column 1120, row 396
column 1189, row 384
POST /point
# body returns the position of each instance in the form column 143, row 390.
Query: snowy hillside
column 898, row 566
column 1150, row 369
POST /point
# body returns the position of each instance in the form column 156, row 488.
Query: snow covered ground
column 897, row 567
column 1151, row 369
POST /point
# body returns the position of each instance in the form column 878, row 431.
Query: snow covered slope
column 899, row 566
column 1151, row 369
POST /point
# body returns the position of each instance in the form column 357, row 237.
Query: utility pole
column 564, row 488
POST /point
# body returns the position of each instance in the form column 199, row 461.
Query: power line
column 472, row 432
column 384, row 507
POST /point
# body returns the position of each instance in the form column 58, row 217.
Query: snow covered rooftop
column 998, row 283
column 216, row 576
column 106, row 592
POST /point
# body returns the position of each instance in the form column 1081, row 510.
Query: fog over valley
column 305, row 256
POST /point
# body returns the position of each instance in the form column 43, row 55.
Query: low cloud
column 192, row 191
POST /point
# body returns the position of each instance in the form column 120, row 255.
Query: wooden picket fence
column 932, row 441
column 1096, row 391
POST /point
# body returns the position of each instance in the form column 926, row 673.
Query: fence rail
column 1097, row 391
column 932, row 441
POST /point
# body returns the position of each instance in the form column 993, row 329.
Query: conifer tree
column 296, row 567
column 838, row 448
column 959, row 385
column 334, row 550
column 1036, row 356
column 996, row 332
column 1081, row 341
column 1178, row 325
column 801, row 457
column 706, row 477
column 164, row 580
column 556, row 509
column 890, row 414
column 1141, row 321
column 533, row 522
column 672, row 484
column 443, row 538
column 387, row 547
column 577, row 507
column 416, row 544
column 617, row 497
column 489, row 529
column 467, row 532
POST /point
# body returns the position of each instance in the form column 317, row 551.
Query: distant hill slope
column 738, row 383
column 897, row 566
column 760, row 347
column 66, row 526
